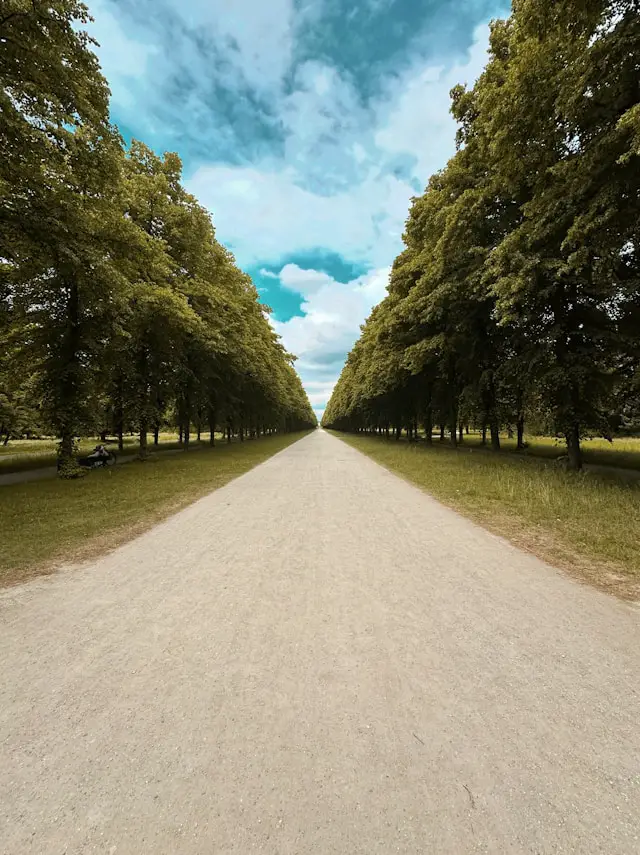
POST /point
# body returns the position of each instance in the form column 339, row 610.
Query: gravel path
column 318, row 658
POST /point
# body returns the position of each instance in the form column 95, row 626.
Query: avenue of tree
column 119, row 309
column 517, row 296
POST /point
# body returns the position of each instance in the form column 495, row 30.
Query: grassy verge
column 25, row 455
column 47, row 522
column 620, row 454
column 583, row 523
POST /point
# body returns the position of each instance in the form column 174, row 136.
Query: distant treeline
column 119, row 309
column 517, row 297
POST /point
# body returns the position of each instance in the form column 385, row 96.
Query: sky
column 305, row 127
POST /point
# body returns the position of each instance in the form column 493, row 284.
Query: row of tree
column 517, row 295
column 119, row 309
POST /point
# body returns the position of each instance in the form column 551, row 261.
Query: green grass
column 47, row 522
column 27, row 454
column 583, row 522
column 623, row 453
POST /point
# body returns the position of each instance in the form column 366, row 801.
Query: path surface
column 318, row 658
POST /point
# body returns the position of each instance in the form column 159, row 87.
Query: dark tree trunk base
column 574, row 451
column 520, row 429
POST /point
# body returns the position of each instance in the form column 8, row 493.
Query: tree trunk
column 442, row 428
column 156, row 434
column 466, row 430
column 509, row 432
column 520, row 428
column 212, row 426
column 386, row 430
column 495, row 436
column 453, row 423
column 143, row 451
column 103, row 436
column 461, row 433
column 428, row 426
column 70, row 382
column 241, row 433
column 484, row 433
column 180, row 438
column 574, row 450
column 143, row 402
column 66, row 448
column 228, row 433
column 187, row 435
column 199, row 434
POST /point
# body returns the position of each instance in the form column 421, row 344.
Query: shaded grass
column 584, row 523
column 25, row 454
column 47, row 522
column 623, row 453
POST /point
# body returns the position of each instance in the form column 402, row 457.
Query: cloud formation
column 333, row 312
column 341, row 184
column 265, row 214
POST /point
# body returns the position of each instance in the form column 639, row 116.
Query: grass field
column 584, row 523
column 623, row 453
column 48, row 522
column 26, row 454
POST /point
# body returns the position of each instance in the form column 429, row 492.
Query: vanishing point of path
column 317, row 658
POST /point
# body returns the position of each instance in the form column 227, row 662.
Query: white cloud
column 269, row 210
column 336, row 185
column 268, row 274
column 331, row 323
column 265, row 214
column 318, row 117
column 359, row 153
column 254, row 36
column 414, row 117
column 171, row 64
column 122, row 58
column 304, row 282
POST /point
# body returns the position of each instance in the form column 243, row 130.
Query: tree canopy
column 518, row 292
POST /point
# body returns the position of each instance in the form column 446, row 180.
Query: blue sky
column 305, row 126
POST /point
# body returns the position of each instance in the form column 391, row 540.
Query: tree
column 567, row 274
column 58, row 183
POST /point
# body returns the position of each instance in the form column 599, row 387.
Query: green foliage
column 518, row 293
column 118, row 305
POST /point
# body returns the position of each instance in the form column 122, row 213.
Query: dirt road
column 318, row 658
